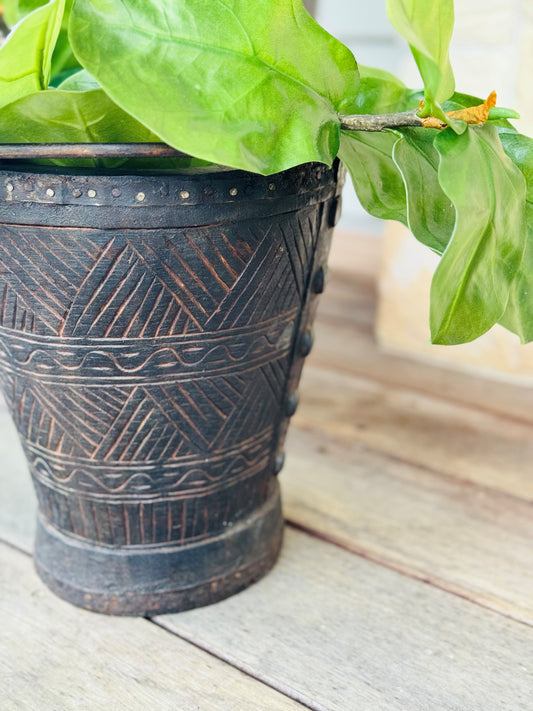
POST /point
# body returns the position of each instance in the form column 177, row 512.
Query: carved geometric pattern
column 151, row 366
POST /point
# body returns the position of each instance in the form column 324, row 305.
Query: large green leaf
column 430, row 213
column 26, row 55
column 253, row 85
column 428, row 25
column 471, row 285
column 376, row 178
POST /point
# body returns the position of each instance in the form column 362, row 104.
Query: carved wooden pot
column 152, row 333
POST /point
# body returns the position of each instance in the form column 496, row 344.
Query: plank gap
column 243, row 668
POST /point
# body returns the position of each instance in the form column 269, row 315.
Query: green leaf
column 26, row 55
column 500, row 112
column 56, row 116
column 519, row 148
column 380, row 93
column 368, row 156
column 73, row 116
column 430, row 213
column 471, row 285
column 376, row 178
column 63, row 59
column 252, row 85
column 518, row 316
column 15, row 10
column 79, row 81
column 427, row 25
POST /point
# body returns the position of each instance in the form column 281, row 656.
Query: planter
column 152, row 334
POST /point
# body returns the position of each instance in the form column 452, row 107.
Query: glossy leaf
column 376, row 178
column 368, row 156
column 380, row 93
column 427, row 25
column 63, row 59
column 518, row 316
column 519, row 148
column 79, row 81
column 26, row 55
column 253, row 85
column 471, row 285
column 430, row 213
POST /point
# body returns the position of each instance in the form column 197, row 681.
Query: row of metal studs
column 140, row 197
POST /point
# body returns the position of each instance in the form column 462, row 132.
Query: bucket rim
column 36, row 151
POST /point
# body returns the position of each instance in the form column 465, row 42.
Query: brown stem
column 378, row 122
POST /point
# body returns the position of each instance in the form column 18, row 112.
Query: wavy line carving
column 195, row 478
column 117, row 359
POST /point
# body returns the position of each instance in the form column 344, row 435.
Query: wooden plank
column 54, row 656
column 339, row 632
column 457, row 441
column 473, row 542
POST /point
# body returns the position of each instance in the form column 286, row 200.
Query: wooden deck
column 406, row 577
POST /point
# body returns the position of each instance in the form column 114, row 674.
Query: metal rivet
column 76, row 193
column 278, row 463
column 306, row 343
column 319, row 281
column 271, row 187
column 115, row 192
column 233, row 192
column 185, row 194
column 9, row 188
column 91, row 193
column 291, row 404
column 50, row 192
column 140, row 197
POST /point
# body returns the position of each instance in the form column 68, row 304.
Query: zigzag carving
column 152, row 364
column 86, row 284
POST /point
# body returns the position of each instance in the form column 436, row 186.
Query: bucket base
column 149, row 581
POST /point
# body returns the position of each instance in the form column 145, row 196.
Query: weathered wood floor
column 406, row 578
